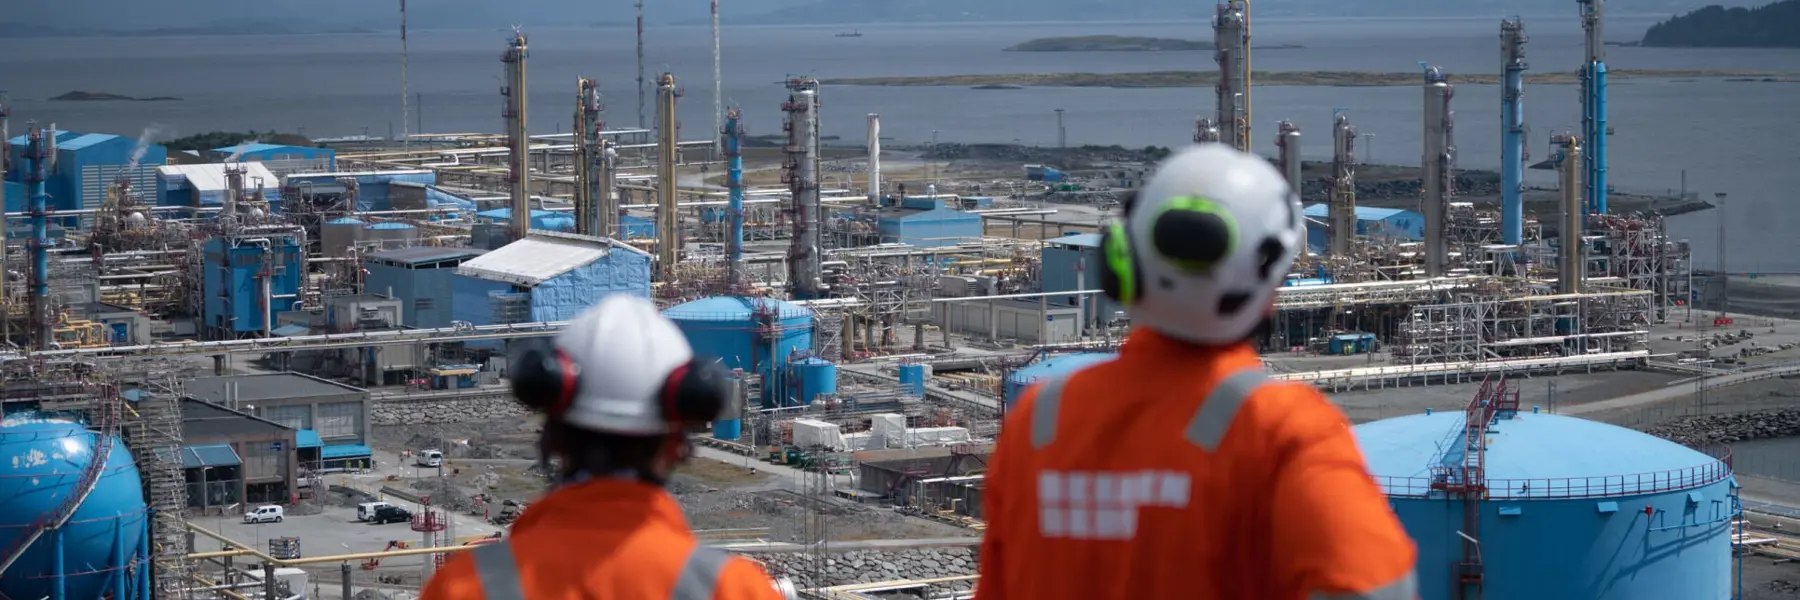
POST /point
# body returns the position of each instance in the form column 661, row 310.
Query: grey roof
column 414, row 255
column 209, row 455
column 540, row 257
column 202, row 421
column 267, row 386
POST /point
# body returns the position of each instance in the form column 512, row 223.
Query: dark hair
column 596, row 453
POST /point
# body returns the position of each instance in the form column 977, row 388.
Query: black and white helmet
column 1211, row 236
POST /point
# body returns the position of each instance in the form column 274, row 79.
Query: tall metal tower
column 1341, row 212
column 1287, row 140
column 801, row 173
column 405, row 100
column 37, row 155
column 734, row 184
column 1571, row 263
column 1231, row 38
column 1593, row 105
column 595, row 209
column 874, row 144
column 668, row 216
column 1512, row 132
column 5, row 166
column 519, row 166
column 640, row 58
column 1438, row 159
column 718, row 85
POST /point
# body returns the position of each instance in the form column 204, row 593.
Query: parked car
column 265, row 514
column 430, row 459
column 390, row 514
column 366, row 510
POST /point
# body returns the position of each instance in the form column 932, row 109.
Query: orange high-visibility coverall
column 1178, row 471
column 601, row 538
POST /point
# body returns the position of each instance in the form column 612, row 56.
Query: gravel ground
column 872, row 566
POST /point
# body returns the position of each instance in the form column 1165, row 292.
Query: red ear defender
column 571, row 383
column 671, row 392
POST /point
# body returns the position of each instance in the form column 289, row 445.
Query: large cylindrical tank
column 1569, row 509
column 728, row 429
column 392, row 235
column 753, row 334
column 1053, row 366
column 809, row 377
column 912, row 378
column 44, row 462
column 337, row 235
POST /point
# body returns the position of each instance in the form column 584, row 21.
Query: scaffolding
column 154, row 432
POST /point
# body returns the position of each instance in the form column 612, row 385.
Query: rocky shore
column 1706, row 430
column 1162, row 79
column 872, row 566
column 433, row 412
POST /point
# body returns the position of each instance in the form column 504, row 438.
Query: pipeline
column 1512, row 133
column 35, row 158
column 734, row 181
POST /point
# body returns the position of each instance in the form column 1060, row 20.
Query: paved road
column 1678, row 391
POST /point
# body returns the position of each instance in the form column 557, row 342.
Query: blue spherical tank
column 1050, row 367
column 43, row 461
column 809, row 377
column 753, row 334
column 912, row 379
column 1570, row 510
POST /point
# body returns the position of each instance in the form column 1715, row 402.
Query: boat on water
column 847, row 34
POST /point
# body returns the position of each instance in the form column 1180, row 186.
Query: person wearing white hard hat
column 1178, row 470
column 619, row 390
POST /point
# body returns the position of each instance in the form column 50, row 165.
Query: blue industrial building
column 1562, row 508
column 279, row 153
column 758, row 335
column 1072, row 263
column 375, row 190
column 1391, row 223
column 85, row 164
column 1051, row 366
column 206, row 185
column 546, row 277
column 541, row 220
column 927, row 223
column 420, row 277
column 98, row 553
column 249, row 277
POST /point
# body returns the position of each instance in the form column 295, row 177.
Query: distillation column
column 1287, row 140
column 668, row 215
column 1341, row 212
column 1593, row 105
column 734, row 183
column 1512, row 132
column 594, row 208
column 805, row 280
column 1571, row 263
column 1438, row 157
column 640, row 64
column 874, row 160
column 1231, row 38
column 5, row 166
column 519, row 142
column 36, row 155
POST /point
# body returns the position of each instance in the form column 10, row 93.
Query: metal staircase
column 1461, row 473
column 103, row 418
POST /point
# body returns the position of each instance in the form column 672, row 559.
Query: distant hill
column 1108, row 43
column 1772, row 26
column 242, row 27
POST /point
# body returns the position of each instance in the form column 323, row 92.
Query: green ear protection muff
column 1192, row 233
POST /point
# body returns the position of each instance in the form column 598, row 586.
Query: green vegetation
column 220, row 139
column 1162, row 79
column 1771, row 26
column 1109, row 43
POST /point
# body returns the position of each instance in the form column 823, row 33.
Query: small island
column 1774, row 25
column 1168, row 79
column 81, row 96
column 1109, row 43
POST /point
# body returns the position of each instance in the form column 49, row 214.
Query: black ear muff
column 695, row 393
column 546, row 380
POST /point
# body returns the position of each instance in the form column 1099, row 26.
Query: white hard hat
column 1204, row 244
column 621, row 367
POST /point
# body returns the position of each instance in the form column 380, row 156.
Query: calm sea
column 1736, row 138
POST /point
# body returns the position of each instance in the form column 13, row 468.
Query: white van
column 366, row 510
column 430, row 458
column 265, row 514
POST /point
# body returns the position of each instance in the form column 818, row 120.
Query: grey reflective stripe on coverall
column 499, row 573
column 1206, row 430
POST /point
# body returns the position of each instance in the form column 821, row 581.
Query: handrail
column 1600, row 486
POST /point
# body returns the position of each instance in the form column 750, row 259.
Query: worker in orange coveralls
column 1178, row 470
column 618, row 389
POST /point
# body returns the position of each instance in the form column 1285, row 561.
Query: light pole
column 1724, row 279
column 1062, row 135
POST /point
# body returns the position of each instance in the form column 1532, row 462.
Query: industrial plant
column 187, row 340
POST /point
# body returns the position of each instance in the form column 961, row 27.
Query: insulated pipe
column 35, row 156
column 1287, row 139
column 1341, row 212
column 874, row 160
column 734, row 181
column 1512, row 132
column 668, row 216
column 1571, row 263
column 1436, row 166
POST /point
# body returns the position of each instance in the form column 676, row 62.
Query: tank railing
column 1609, row 486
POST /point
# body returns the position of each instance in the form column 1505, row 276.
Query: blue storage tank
column 728, row 429
column 1049, row 367
column 1571, row 509
column 753, row 334
column 810, row 377
column 88, row 558
column 912, row 379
